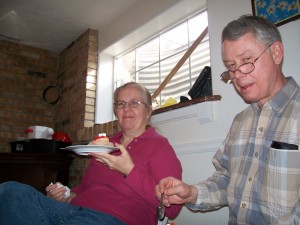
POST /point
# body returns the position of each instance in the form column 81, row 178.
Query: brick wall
column 77, row 72
column 24, row 74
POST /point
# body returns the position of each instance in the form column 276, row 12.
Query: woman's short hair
column 144, row 92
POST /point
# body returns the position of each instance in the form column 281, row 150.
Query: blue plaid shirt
column 259, row 183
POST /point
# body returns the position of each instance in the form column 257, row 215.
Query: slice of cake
column 102, row 140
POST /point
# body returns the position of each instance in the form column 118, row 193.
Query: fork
column 160, row 210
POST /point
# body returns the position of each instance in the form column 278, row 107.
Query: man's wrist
column 194, row 195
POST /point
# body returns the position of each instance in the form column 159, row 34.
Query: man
column 258, row 166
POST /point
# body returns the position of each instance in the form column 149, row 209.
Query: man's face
column 266, row 79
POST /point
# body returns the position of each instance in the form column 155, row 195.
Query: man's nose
column 238, row 74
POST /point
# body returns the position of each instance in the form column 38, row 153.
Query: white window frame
column 187, row 78
column 106, row 84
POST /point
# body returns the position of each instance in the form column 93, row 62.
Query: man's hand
column 175, row 191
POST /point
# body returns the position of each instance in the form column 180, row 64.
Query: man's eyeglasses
column 245, row 68
column 131, row 104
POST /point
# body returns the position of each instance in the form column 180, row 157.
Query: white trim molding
column 198, row 147
column 202, row 111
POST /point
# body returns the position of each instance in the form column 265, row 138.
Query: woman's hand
column 58, row 193
column 175, row 191
column 122, row 163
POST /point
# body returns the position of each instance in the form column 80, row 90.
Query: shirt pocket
column 281, row 180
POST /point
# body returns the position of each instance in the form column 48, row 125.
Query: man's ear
column 277, row 50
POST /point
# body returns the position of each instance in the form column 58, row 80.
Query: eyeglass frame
column 133, row 104
column 226, row 77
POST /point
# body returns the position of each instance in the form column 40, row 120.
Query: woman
column 117, row 188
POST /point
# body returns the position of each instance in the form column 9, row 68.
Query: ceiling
column 53, row 24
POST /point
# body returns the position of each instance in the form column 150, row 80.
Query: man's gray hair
column 265, row 31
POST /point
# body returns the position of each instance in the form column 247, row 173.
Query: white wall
column 291, row 39
column 144, row 20
column 104, row 89
column 194, row 141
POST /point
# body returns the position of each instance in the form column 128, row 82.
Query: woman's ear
column 149, row 112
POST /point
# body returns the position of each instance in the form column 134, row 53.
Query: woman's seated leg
column 22, row 204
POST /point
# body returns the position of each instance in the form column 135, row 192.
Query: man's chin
column 248, row 99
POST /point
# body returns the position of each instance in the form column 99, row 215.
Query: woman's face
column 131, row 119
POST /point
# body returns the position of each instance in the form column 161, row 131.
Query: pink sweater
column 131, row 199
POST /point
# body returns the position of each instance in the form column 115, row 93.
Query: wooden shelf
column 187, row 103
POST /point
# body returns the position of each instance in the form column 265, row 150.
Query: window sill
column 187, row 103
column 185, row 110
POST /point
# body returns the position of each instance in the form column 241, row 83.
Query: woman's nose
column 126, row 107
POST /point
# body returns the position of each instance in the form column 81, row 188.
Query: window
column 151, row 62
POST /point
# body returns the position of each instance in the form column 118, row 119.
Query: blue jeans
column 21, row 204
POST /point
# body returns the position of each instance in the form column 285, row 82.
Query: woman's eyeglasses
column 131, row 104
column 245, row 68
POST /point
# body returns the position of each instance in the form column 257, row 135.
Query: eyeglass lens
column 245, row 68
column 131, row 104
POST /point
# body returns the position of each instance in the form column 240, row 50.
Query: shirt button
column 261, row 129
column 250, row 178
column 243, row 205
column 256, row 154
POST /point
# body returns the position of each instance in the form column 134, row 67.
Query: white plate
column 85, row 149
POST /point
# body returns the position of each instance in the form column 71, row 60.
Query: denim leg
column 21, row 204
column 90, row 217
